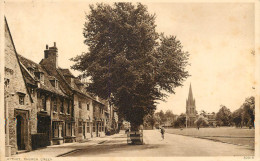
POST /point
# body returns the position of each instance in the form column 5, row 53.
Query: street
column 116, row 146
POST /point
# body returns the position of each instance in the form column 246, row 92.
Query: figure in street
column 162, row 132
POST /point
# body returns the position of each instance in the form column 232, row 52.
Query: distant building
column 211, row 119
column 191, row 112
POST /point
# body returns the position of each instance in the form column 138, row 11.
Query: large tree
column 201, row 121
column 248, row 114
column 181, row 121
column 223, row 117
column 129, row 60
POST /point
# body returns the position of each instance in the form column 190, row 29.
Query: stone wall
column 15, row 87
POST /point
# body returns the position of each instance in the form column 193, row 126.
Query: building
column 191, row 113
column 20, row 109
column 211, row 117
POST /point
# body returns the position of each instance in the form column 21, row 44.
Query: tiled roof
column 47, row 86
column 64, row 73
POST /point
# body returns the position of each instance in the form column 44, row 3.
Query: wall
column 16, row 84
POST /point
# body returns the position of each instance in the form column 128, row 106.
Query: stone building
column 20, row 109
column 191, row 113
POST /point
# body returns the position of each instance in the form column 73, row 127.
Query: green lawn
column 224, row 134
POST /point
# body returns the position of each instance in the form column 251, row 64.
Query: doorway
column 97, row 130
column 20, row 132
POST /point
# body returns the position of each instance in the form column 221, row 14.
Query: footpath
column 65, row 149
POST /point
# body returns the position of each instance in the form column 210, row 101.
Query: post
column 186, row 121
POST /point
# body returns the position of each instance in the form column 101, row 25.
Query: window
column 42, row 78
column 80, row 105
column 44, row 102
column 94, row 109
column 72, row 110
column 56, row 84
column 68, row 107
column 94, row 127
column 88, row 106
column 54, row 101
column 55, row 129
column 62, row 106
column 88, row 129
column 68, row 129
column 80, row 127
column 7, row 82
column 21, row 99
column 99, row 127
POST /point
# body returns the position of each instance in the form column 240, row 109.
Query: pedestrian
column 162, row 132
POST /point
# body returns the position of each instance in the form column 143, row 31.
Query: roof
column 66, row 72
column 31, row 79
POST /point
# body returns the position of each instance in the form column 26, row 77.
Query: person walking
column 162, row 132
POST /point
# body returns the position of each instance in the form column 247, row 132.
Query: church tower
column 190, row 108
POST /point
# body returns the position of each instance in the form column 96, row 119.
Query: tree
column 237, row 117
column 169, row 117
column 181, row 121
column 245, row 115
column 149, row 121
column 223, row 116
column 248, row 114
column 201, row 121
column 128, row 59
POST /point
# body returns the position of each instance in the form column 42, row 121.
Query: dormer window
column 72, row 82
column 31, row 70
column 40, row 76
column 55, row 83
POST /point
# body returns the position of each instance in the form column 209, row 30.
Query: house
column 20, row 109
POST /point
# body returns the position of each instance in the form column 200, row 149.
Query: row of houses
column 48, row 105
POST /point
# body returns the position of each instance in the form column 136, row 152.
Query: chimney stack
column 51, row 53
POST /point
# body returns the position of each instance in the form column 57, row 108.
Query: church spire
column 190, row 97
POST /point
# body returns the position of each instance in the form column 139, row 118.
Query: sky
column 218, row 36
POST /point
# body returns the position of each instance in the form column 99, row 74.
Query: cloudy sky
column 218, row 36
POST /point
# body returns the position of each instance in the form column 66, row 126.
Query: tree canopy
column 223, row 117
column 201, row 121
column 129, row 60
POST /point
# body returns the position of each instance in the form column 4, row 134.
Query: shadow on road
column 110, row 147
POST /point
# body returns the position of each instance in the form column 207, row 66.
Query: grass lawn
column 223, row 134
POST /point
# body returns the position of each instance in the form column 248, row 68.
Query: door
column 97, row 130
column 84, row 132
column 20, row 132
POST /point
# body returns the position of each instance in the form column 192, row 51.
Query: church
column 191, row 112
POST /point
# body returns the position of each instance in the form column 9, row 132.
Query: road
column 172, row 145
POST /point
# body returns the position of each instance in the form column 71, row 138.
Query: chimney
column 51, row 54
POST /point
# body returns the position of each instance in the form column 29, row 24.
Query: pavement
column 116, row 146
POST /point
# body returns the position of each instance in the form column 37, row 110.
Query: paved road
column 172, row 145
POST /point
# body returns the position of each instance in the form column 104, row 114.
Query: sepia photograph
column 129, row 79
